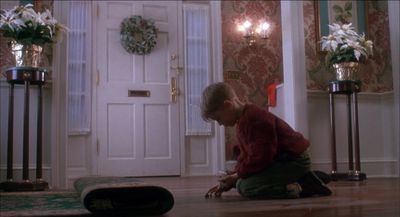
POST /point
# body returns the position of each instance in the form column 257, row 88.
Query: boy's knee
column 278, row 191
column 247, row 191
column 243, row 189
column 239, row 186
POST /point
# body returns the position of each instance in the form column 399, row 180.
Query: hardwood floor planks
column 374, row 197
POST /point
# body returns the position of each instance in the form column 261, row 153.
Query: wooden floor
column 375, row 197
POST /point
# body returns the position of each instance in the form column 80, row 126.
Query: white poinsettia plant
column 345, row 45
column 24, row 25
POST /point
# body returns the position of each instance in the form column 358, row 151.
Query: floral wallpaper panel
column 261, row 65
column 376, row 74
column 256, row 66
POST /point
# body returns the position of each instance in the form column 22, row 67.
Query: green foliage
column 23, row 25
column 138, row 36
column 28, row 36
column 343, row 14
column 342, row 55
column 348, row 6
column 337, row 9
column 345, row 45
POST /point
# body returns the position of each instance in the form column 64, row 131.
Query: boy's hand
column 226, row 183
column 216, row 191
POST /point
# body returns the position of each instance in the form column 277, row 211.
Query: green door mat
column 41, row 203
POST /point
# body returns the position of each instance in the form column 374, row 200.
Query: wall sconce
column 250, row 34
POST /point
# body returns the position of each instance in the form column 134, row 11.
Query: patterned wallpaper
column 250, row 69
column 376, row 74
column 256, row 66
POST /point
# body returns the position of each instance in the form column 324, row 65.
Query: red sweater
column 261, row 136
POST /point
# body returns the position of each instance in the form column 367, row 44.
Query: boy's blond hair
column 213, row 98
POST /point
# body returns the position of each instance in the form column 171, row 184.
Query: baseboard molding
column 17, row 173
column 373, row 168
column 361, row 95
column 73, row 174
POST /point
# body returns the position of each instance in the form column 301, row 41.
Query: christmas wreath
column 138, row 36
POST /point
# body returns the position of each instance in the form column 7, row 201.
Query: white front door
column 137, row 119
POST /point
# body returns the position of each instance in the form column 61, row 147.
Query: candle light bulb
column 263, row 30
column 264, row 26
column 241, row 28
column 246, row 24
column 251, row 33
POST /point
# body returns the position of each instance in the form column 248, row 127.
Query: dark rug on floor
column 45, row 203
column 105, row 196
column 123, row 196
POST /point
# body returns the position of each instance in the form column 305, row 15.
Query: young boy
column 272, row 160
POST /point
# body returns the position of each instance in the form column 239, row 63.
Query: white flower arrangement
column 27, row 27
column 345, row 45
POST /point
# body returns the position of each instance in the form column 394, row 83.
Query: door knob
column 174, row 90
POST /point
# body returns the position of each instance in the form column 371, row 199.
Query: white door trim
column 294, row 70
column 58, row 129
column 181, row 82
column 95, row 76
column 394, row 8
column 216, row 30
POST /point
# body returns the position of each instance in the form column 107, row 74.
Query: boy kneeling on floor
column 272, row 161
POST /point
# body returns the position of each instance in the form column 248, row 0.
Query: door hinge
column 98, row 78
column 97, row 147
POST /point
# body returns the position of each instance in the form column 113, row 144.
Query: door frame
column 59, row 134
column 181, row 99
column 93, row 150
column 217, row 66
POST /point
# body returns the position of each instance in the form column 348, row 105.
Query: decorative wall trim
column 362, row 161
column 19, row 167
column 319, row 93
column 218, row 147
column 17, row 172
column 58, row 106
column 294, row 69
column 73, row 174
column 394, row 18
column 372, row 167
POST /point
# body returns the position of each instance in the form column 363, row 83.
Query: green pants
column 271, row 182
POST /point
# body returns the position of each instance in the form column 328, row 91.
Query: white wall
column 394, row 20
column 376, row 132
column 294, row 69
column 18, row 130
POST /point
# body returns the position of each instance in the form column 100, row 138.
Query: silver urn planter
column 26, row 55
column 346, row 71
